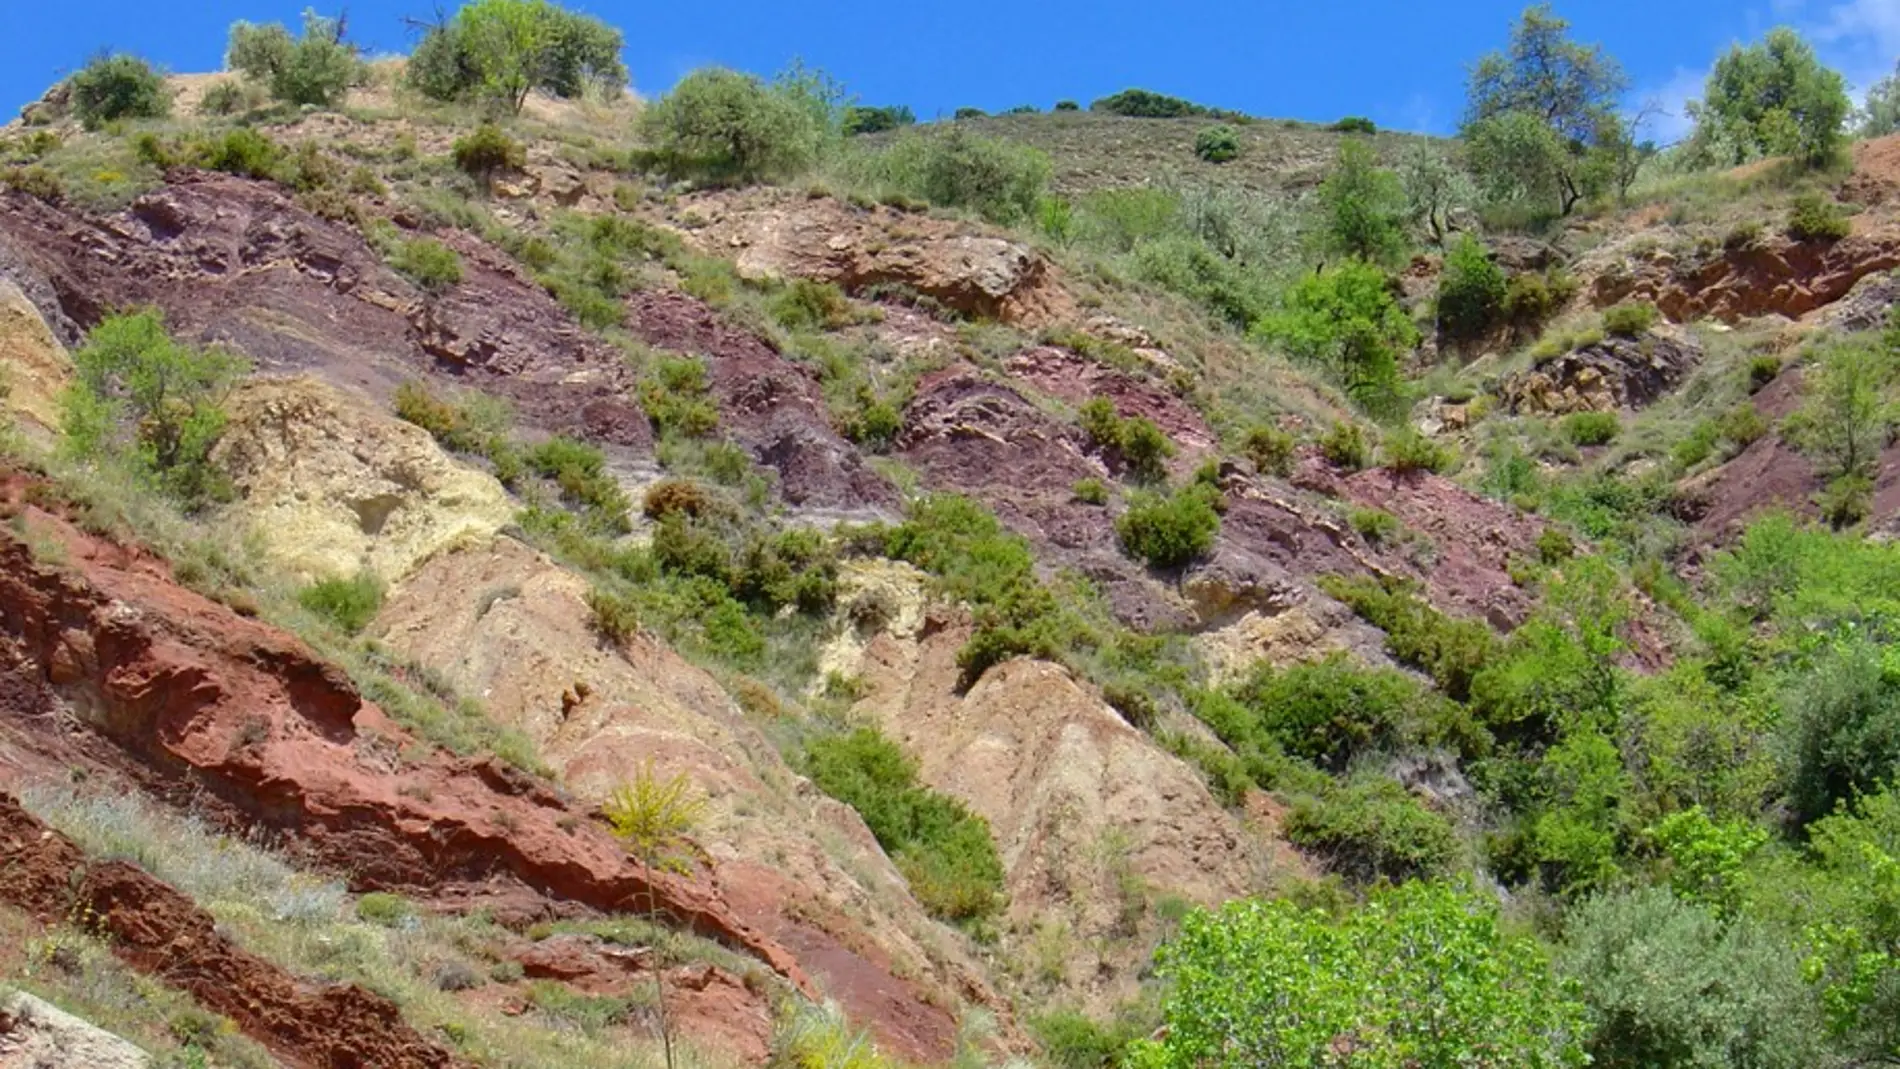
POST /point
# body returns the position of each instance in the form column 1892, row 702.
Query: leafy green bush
column 1140, row 445
column 242, row 151
column 1363, row 207
column 1371, row 829
column 956, row 168
column 1348, row 320
column 730, row 127
column 1409, row 451
column 1217, row 144
column 1376, row 526
column 1270, row 449
column 346, row 604
column 1332, row 711
column 1420, row 975
column 1815, row 218
column 1592, row 428
column 316, row 69
column 1074, row 1041
column 807, row 305
column 1532, row 298
column 487, row 151
column 1841, row 726
column 1471, row 291
column 385, row 909
column 1632, row 319
column 1554, row 546
column 1067, row 105
column 155, row 405
column 498, row 51
column 1354, row 124
column 1091, row 492
column 1172, row 530
column 113, row 86
column 865, row 120
column 1344, row 445
column 943, row 849
column 1142, row 104
column 1762, row 370
column 1669, row 986
column 676, row 398
column 580, row 471
column 1449, row 649
column 426, row 262
column 614, row 617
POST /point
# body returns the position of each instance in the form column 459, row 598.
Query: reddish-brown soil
column 192, row 695
column 237, row 261
column 159, row 931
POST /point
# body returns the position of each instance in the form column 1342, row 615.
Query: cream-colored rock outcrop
column 332, row 485
column 34, row 366
column 1095, row 823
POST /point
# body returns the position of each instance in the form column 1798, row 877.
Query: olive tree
column 317, row 68
column 502, row 50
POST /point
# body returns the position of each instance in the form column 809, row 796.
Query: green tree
column 153, row 403
column 1470, row 290
column 1541, row 114
column 1848, row 406
column 730, row 127
column 1419, row 976
column 1364, row 207
column 1880, row 112
column 1773, row 98
column 502, row 50
column 114, row 85
column 1436, row 190
column 317, row 68
column 1348, row 320
column 1670, row 986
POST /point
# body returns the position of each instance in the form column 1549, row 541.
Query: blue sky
column 1401, row 62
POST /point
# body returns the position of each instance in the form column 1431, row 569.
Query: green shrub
column 1169, row 531
column 1344, row 445
column 1814, row 218
column 152, row 404
column 1217, row 144
column 1742, row 236
column 113, row 86
column 1370, row 829
column 1142, row 104
column 969, row 113
column 730, row 127
column 1841, row 725
column 1632, row 319
column 1332, row 711
column 1762, row 370
column 1363, row 207
column 425, row 261
column 943, row 849
column 316, row 69
column 487, row 151
column 242, row 151
column 1141, row 446
column 34, row 181
column 1472, row 292
column 345, row 604
column 580, row 471
column 1067, row 105
column 385, row 909
column 1409, row 451
column 1422, row 975
column 956, row 168
column 614, row 617
column 1354, row 124
column 1072, row 1040
column 229, row 98
column 808, row 305
column 1348, row 320
column 1554, row 546
column 498, row 51
column 1376, row 526
column 1270, row 449
column 1531, row 299
column 863, row 120
column 676, row 398
column 1091, row 492
column 1670, row 986
column 1591, row 428
column 1449, row 649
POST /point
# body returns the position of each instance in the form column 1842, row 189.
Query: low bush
column 866, row 120
column 1270, row 449
column 1472, row 291
column 1370, row 828
column 1409, row 451
column 807, row 305
column 1091, row 492
column 1632, row 319
column 385, row 909
column 1449, row 649
column 1344, row 445
column 1762, row 370
column 1591, row 428
column 425, row 261
column 580, row 472
column 1816, row 218
column 114, row 86
column 345, row 604
column 1532, row 298
column 1354, row 124
column 487, row 151
column 1142, row 104
column 614, row 617
column 943, row 849
column 1140, row 446
column 955, row 168
column 242, row 151
column 1332, row 711
column 1172, row 530
column 676, row 398
column 1067, row 105
column 1376, row 526
column 1217, row 144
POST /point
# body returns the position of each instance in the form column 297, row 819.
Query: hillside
column 557, row 579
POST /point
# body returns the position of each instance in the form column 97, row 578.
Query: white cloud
column 1670, row 123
